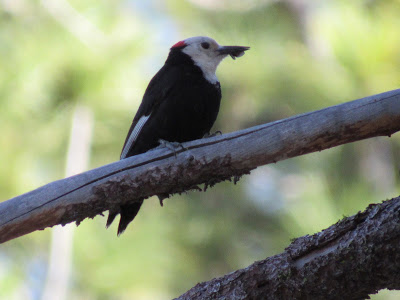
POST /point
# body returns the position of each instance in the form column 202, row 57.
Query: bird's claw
column 208, row 135
column 173, row 146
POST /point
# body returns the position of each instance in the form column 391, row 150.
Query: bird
column 180, row 104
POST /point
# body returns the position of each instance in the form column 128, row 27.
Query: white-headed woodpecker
column 180, row 104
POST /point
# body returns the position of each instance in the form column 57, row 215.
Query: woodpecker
column 180, row 104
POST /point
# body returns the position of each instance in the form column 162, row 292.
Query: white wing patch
column 134, row 134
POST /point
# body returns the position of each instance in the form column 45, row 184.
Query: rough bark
column 352, row 259
column 208, row 161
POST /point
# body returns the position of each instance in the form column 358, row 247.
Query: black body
column 182, row 105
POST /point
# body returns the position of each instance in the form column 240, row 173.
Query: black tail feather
column 128, row 212
column 111, row 216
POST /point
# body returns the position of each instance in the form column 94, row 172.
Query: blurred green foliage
column 304, row 56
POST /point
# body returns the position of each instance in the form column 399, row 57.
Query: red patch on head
column 179, row 44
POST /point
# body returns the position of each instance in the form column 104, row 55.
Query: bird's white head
column 206, row 53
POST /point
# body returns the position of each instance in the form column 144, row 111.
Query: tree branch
column 352, row 259
column 208, row 161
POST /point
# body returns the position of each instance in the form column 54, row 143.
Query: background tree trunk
column 352, row 259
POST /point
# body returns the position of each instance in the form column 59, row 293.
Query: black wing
column 155, row 92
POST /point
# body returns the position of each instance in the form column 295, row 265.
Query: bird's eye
column 205, row 45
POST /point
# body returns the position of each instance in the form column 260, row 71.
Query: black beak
column 233, row 51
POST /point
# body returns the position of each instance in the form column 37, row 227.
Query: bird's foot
column 208, row 134
column 173, row 146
